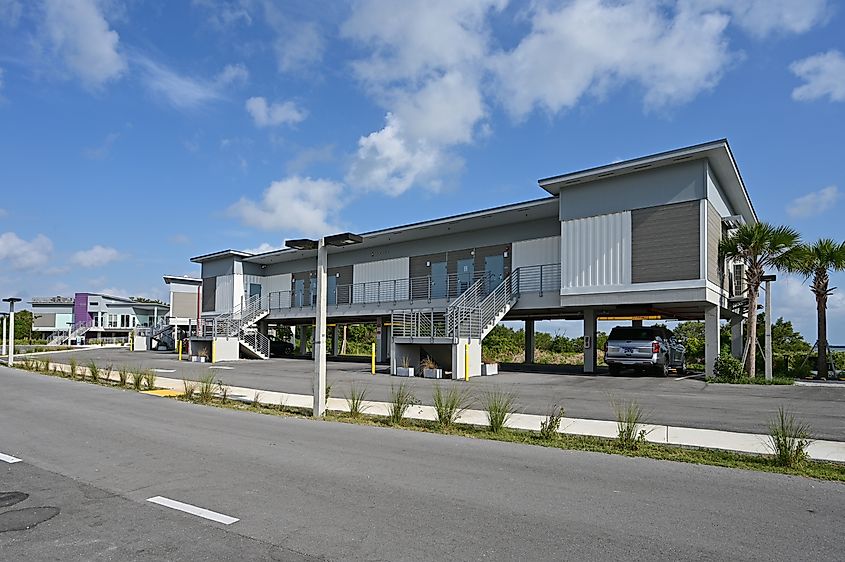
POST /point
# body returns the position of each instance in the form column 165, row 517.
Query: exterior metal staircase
column 78, row 329
column 164, row 334
column 240, row 323
column 472, row 315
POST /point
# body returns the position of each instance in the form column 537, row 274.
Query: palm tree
column 817, row 261
column 759, row 246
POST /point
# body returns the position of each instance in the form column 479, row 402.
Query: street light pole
column 3, row 347
column 320, row 333
column 338, row 240
column 12, row 300
column 768, row 368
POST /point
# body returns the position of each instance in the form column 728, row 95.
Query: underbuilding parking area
column 687, row 402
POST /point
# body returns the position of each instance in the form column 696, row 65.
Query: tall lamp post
column 11, row 301
column 338, row 240
column 767, row 279
column 3, row 315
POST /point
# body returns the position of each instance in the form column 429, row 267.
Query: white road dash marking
column 9, row 459
column 164, row 370
column 193, row 510
column 221, row 367
column 688, row 377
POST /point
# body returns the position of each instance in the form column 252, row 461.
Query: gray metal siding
column 681, row 182
column 714, row 236
column 183, row 305
column 44, row 320
column 666, row 243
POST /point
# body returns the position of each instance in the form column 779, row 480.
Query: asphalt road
column 685, row 403
column 334, row 491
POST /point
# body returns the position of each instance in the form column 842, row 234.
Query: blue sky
column 134, row 135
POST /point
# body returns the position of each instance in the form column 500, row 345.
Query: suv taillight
column 655, row 347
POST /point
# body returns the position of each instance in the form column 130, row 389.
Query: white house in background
column 92, row 316
column 637, row 238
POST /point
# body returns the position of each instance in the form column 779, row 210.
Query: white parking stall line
column 688, row 377
column 193, row 510
column 164, row 370
column 9, row 459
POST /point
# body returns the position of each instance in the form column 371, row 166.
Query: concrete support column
column 736, row 337
column 334, row 340
column 711, row 338
column 382, row 340
column 590, row 328
column 303, row 339
column 529, row 341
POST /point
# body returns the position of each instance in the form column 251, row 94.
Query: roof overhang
column 718, row 153
column 497, row 216
column 168, row 279
column 220, row 255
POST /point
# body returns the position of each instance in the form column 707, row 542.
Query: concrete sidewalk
column 655, row 433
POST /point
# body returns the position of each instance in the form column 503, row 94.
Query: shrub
column 190, row 389
column 149, row 380
column 137, row 380
column 550, row 427
column 328, row 392
column 106, row 373
column 629, row 420
column 207, row 386
column 450, row 405
column 45, row 366
column 499, row 406
column 355, row 400
column 428, row 363
column 123, row 376
column 400, row 400
column 788, row 439
column 93, row 371
column 728, row 368
column 74, row 366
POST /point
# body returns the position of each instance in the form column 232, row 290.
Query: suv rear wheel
column 615, row 369
column 661, row 370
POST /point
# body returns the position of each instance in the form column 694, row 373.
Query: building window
column 112, row 320
column 739, row 279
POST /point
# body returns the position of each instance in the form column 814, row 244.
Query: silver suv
column 650, row 348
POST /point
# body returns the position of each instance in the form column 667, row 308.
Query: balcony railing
column 537, row 279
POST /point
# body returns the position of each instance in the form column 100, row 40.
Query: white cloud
column 79, row 33
column 223, row 14
column 232, row 74
column 587, row 48
column 96, row 256
column 276, row 113
column 814, row 203
column 763, row 17
column 23, row 254
column 263, row 248
column 182, row 92
column 299, row 48
column 823, row 75
column 3, row 213
column 297, row 204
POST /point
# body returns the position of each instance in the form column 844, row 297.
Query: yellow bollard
column 179, row 348
column 466, row 362
column 373, row 359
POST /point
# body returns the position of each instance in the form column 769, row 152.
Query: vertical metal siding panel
column 539, row 251
column 596, row 253
column 382, row 270
column 224, row 294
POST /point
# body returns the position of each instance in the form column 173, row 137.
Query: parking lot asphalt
column 685, row 402
column 334, row 491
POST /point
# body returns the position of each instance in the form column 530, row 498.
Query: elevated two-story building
column 633, row 238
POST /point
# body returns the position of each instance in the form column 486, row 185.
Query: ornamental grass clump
column 450, row 404
column 149, row 379
column 630, row 418
column 190, row 389
column 788, row 439
column 499, row 406
column 123, row 376
column 401, row 399
column 206, row 389
column 550, row 427
column 93, row 371
column 355, row 400
column 73, row 365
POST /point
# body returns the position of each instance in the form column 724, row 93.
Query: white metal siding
column 540, row 251
column 716, row 196
column 276, row 283
column 224, row 294
column 596, row 251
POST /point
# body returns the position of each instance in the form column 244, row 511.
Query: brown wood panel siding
column 419, row 265
column 343, row 274
column 714, row 236
column 209, row 294
column 183, row 305
column 666, row 243
column 452, row 258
